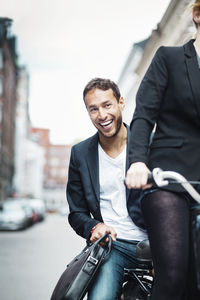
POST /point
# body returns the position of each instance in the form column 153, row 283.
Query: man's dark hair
column 102, row 84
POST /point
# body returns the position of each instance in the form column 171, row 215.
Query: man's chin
column 107, row 134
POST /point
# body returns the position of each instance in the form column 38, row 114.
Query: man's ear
column 122, row 102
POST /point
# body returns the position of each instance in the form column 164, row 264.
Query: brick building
column 8, row 81
column 55, row 168
column 41, row 136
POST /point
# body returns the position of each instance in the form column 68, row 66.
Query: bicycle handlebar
column 160, row 178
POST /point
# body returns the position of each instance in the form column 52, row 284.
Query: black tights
column 167, row 220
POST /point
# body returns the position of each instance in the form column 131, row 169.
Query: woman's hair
column 196, row 6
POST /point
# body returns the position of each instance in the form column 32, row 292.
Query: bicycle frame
column 141, row 276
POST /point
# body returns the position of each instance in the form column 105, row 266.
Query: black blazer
column 169, row 96
column 83, row 191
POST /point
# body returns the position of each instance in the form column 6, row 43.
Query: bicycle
column 139, row 281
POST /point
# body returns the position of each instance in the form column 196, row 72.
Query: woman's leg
column 166, row 217
column 193, row 291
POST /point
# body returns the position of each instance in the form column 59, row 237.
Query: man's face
column 104, row 111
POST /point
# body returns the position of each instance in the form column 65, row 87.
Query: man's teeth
column 106, row 123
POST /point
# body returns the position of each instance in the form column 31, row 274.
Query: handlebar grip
column 150, row 178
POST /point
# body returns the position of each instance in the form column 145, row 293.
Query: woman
column 169, row 96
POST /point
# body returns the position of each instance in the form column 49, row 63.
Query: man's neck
column 113, row 146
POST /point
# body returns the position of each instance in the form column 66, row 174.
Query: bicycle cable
column 188, row 181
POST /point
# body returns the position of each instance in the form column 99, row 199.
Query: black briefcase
column 80, row 272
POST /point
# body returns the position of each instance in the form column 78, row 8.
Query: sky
column 66, row 43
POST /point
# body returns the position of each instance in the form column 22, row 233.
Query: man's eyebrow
column 92, row 106
column 105, row 102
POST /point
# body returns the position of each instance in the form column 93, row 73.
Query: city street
column 31, row 261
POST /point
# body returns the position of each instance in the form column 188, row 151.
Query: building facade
column 8, row 81
column 55, row 169
column 34, row 164
column 22, row 125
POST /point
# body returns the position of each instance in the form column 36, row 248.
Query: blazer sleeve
column 148, row 103
column 79, row 217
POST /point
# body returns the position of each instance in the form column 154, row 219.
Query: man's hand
column 137, row 176
column 100, row 230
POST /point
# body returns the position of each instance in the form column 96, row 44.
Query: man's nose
column 102, row 114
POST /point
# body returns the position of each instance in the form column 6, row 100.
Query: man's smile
column 106, row 124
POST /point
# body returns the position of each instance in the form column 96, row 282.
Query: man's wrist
column 93, row 228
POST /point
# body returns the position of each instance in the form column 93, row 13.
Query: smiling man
column 98, row 200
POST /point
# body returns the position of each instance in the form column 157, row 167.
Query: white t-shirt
column 113, row 196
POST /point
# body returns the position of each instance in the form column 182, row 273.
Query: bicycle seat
column 143, row 251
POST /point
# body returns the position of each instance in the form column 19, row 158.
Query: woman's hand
column 137, row 176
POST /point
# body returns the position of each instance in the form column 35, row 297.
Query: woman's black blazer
column 169, row 96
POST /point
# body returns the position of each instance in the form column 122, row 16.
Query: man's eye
column 108, row 105
column 93, row 109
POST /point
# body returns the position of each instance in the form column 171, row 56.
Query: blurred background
column 49, row 50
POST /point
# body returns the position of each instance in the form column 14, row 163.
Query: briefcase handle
column 108, row 245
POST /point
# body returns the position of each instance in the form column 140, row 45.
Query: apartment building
column 8, row 82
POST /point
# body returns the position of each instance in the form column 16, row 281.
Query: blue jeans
column 108, row 283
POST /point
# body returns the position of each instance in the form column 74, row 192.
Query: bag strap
column 108, row 246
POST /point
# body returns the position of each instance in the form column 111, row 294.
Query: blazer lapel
column 193, row 71
column 93, row 164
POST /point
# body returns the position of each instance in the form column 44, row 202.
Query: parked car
column 29, row 210
column 12, row 216
column 39, row 207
